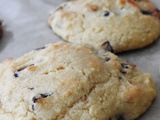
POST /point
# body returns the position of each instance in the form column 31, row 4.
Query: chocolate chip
column 107, row 46
column 34, row 99
column 120, row 78
column 19, row 70
column 120, row 117
column 157, row 10
column 40, row 48
column 59, row 8
column 117, row 117
column 44, row 95
column 106, row 13
column 145, row 12
column 33, row 107
column 31, row 88
column 107, row 59
column 40, row 96
column 123, row 72
column 24, row 68
column 124, row 65
column 15, row 75
column 1, row 30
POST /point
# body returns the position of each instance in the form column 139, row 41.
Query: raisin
column 106, row 13
column 41, row 48
column 107, row 46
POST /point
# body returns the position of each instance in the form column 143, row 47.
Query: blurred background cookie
column 126, row 24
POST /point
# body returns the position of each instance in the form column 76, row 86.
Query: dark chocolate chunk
column 40, row 48
column 1, row 30
column 40, row 96
column 107, row 46
column 145, row 12
column 106, row 13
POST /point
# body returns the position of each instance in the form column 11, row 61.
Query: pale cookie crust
column 64, row 81
column 126, row 24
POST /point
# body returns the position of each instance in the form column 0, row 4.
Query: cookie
column 126, row 24
column 65, row 81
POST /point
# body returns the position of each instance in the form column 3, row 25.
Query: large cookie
column 66, row 82
column 126, row 24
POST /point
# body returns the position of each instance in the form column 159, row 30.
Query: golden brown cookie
column 65, row 81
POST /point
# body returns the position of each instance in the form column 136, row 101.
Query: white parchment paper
column 25, row 28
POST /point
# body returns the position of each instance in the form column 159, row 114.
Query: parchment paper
column 25, row 28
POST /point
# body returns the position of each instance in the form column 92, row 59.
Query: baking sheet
column 25, row 28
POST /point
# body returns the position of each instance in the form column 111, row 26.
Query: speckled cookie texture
column 126, row 24
column 64, row 81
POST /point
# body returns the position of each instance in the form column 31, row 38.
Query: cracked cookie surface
column 126, row 24
column 65, row 81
